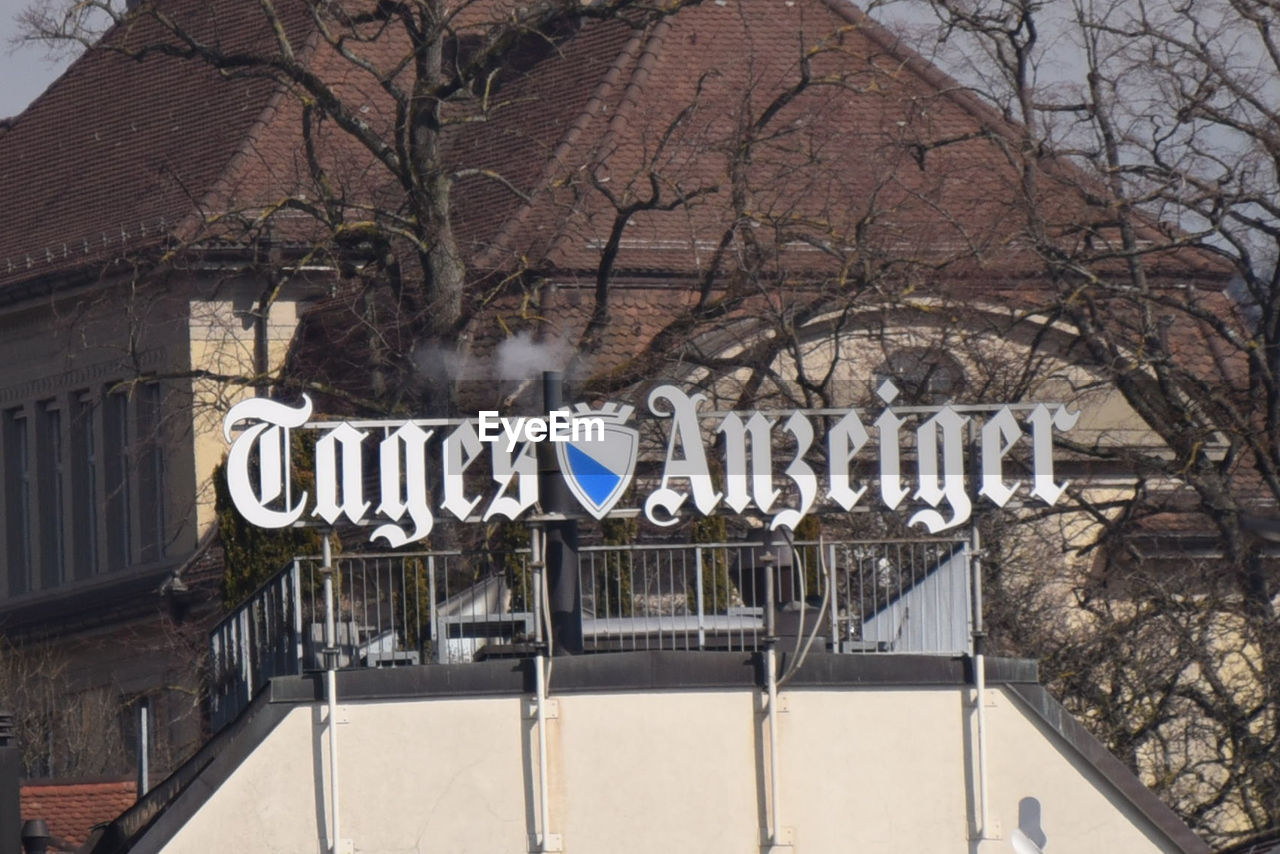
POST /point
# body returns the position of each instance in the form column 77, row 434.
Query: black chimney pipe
column 35, row 836
column 563, row 593
column 10, row 791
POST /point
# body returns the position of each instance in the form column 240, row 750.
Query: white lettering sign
column 769, row 464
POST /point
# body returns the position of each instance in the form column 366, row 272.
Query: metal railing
column 882, row 596
column 449, row 606
column 414, row 608
column 260, row 639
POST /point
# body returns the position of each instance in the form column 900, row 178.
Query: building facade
column 769, row 205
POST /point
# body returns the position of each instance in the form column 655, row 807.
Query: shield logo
column 598, row 469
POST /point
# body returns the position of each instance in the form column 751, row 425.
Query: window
column 117, row 480
column 150, row 473
column 17, row 501
column 925, row 376
column 84, row 486
column 49, row 490
column 82, row 489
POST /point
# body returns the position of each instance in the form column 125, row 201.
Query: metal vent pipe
column 10, row 791
column 564, row 593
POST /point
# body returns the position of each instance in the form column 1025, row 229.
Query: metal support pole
column 771, row 689
column 546, row 840
column 978, row 634
column 979, row 682
column 540, row 704
column 144, row 747
column 331, row 691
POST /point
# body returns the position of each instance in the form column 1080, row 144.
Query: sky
column 25, row 70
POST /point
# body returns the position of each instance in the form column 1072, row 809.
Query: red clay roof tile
column 118, row 151
column 73, row 809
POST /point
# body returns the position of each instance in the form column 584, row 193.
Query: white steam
column 432, row 360
column 516, row 358
column 520, row 357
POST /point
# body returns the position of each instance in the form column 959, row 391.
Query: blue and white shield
column 598, row 470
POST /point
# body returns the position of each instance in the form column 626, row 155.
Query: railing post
column 833, row 592
column 295, row 577
column 144, row 747
column 215, row 678
column 697, row 568
column 244, row 642
column 436, row 646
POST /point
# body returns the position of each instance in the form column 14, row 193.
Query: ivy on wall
column 253, row 554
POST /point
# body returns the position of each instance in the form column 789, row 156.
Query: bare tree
column 401, row 117
column 61, row 732
column 1157, row 122
column 1118, row 207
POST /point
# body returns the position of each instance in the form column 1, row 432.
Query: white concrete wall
column 870, row 770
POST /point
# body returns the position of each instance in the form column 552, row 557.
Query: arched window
column 925, row 376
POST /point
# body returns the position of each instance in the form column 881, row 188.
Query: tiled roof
column 121, row 152
column 852, row 153
column 72, row 810
column 118, row 152
column 596, row 114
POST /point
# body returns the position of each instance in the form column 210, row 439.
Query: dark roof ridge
column 630, row 53
column 1050, row 713
column 629, row 100
column 88, row 780
column 946, row 85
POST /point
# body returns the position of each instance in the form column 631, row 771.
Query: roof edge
column 987, row 114
column 630, row 53
column 927, row 71
column 1048, row 711
column 167, row 805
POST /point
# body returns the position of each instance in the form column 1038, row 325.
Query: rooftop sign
column 783, row 465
